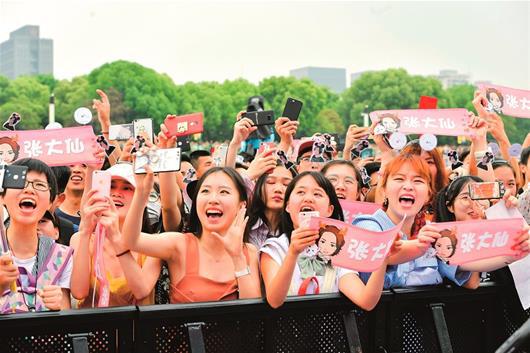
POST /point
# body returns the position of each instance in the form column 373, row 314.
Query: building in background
column 451, row 78
column 333, row 78
column 356, row 75
column 25, row 53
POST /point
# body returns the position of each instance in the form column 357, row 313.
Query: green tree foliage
column 28, row 97
column 316, row 98
column 147, row 93
column 388, row 89
column 70, row 95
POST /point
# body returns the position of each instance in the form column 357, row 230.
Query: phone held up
column 292, row 109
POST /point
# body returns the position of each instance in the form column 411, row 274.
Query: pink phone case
column 101, row 182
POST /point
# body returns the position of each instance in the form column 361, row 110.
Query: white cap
column 124, row 171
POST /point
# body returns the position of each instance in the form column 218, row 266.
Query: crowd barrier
column 429, row 319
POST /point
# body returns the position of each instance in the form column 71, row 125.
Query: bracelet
column 123, row 253
column 242, row 273
column 104, row 132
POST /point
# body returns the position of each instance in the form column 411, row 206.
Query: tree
column 388, row 89
column 28, row 97
column 70, row 95
column 146, row 93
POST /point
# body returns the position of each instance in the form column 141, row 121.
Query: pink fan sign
column 351, row 209
column 508, row 101
column 74, row 145
column 467, row 241
column 442, row 122
column 352, row 247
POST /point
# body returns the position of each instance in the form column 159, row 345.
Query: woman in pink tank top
column 213, row 262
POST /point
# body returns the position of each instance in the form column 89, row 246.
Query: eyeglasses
column 37, row 185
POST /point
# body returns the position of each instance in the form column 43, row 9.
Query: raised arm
column 141, row 280
column 277, row 278
column 242, row 130
column 91, row 206
column 102, row 107
column 170, row 194
column 286, row 129
column 163, row 246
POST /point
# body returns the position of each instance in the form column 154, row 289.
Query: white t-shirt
column 277, row 248
column 64, row 280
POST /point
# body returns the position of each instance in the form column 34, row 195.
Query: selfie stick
column 3, row 235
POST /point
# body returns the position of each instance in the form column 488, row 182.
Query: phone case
column 485, row 191
column 185, row 125
column 264, row 117
column 305, row 217
column 121, row 132
column 183, row 142
column 161, row 160
column 219, row 155
column 101, row 182
column 14, row 177
column 143, row 127
column 292, row 109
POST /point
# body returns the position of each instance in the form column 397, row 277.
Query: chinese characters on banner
column 352, row 209
column 463, row 242
column 356, row 248
column 74, row 145
column 508, row 101
column 444, row 122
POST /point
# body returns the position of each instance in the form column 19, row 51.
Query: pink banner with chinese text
column 73, row 145
column 352, row 209
column 443, row 122
column 355, row 248
column 508, row 101
column 463, row 242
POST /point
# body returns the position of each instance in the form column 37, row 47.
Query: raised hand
column 103, row 109
column 262, row 163
column 301, row 238
column 52, row 296
column 8, row 271
column 232, row 240
column 286, row 129
column 163, row 140
column 242, row 129
column 427, row 235
column 353, row 136
column 92, row 205
column 110, row 220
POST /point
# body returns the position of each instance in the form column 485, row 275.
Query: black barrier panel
column 108, row 330
column 302, row 324
column 476, row 321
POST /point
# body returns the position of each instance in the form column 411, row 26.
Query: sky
column 214, row 41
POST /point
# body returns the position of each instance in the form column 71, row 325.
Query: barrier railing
column 429, row 319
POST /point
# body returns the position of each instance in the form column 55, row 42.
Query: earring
column 385, row 202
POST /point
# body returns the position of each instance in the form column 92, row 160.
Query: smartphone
column 14, row 176
column 219, row 155
column 101, row 182
column 183, row 142
column 304, row 218
column 367, row 153
column 265, row 146
column 161, row 160
column 184, row 125
column 121, row 132
column 486, row 190
column 292, row 109
column 102, row 141
column 261, row 118
column 143, row 127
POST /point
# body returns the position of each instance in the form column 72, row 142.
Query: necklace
column 31, row 308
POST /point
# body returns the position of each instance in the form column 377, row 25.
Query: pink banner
column 463, row 242
column 352, row 209
column 73, row 145
column 352, row 247
column 444, row 122
column 508, row 101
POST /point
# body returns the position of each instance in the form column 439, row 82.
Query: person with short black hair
column 201, row 161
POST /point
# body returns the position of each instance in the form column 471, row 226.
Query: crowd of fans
column 220, row 231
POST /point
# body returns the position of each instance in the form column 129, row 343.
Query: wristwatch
column 242, row 273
